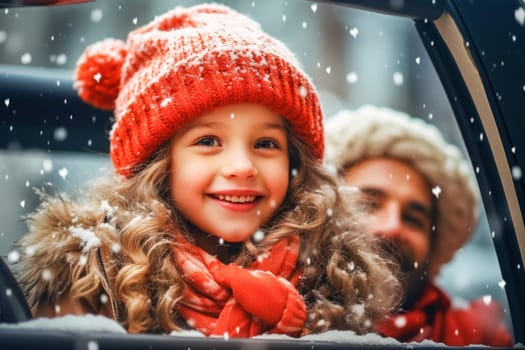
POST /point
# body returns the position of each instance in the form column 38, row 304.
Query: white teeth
column 236, row 199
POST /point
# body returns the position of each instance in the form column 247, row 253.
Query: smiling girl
column 219, row 216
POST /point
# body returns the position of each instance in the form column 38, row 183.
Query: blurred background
column 353, row 57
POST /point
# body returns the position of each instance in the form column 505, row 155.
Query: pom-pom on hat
column 186, row 63
column 370, row 132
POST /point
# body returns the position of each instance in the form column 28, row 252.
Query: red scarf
column 229, row 300
column 433, row 318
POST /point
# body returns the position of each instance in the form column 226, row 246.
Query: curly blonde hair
column 346, row 282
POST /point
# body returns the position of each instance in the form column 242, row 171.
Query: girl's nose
column 239, row 164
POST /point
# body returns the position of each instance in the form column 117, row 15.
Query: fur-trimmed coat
column 111, row 254
column 65, row 242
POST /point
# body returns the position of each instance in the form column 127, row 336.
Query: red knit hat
column 186, row 63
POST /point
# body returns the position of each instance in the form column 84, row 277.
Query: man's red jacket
column 433, row 318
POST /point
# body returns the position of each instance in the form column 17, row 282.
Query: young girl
column 219, row 217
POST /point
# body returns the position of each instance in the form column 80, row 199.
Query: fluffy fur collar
column 63, row 244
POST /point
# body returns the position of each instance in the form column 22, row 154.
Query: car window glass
column 354, row 57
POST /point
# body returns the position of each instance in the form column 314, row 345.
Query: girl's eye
column 266, row 143
column 208, row 141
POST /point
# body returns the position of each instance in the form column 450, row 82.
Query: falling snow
column 47, row 165
column 60, row 134
column 26, row 58
column 516, row 172
column 400, row 322
column 301, row 90
column 60, row 59
column 519, row 15
column 358, row 310
column 13, row 256
column 82, row 261
column 436, row 191
column 46, row 274
column 166, row 102
column 352, row 78
column 87, row 237
column 398, row 78
column 258, row 236
column 116, row 248
column 96, row 15
column 108, row 209
column 63, row 173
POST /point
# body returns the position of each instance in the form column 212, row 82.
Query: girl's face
column 230, row 170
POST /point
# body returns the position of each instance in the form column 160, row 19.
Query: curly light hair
column 347, row 281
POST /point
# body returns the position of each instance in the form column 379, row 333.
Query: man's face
column 400, row 207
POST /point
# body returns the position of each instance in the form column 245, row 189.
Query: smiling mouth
column 235, row 199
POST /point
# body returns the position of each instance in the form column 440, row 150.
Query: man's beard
column 412, row 274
